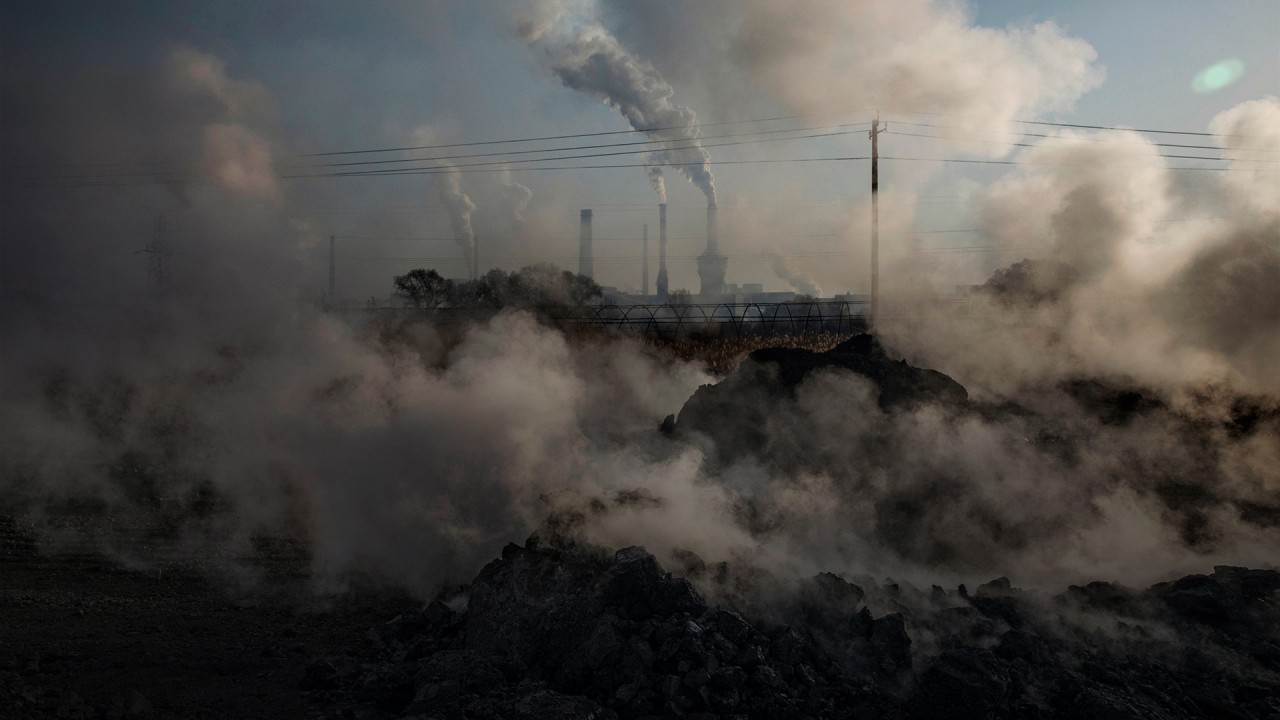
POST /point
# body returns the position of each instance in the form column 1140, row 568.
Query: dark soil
column 83, row 637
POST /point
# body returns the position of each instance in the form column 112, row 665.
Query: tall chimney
column 475, row 258
column 584, row 245
column 644, row 264
column 711, row 264
column 662, row 251
column 713, row 245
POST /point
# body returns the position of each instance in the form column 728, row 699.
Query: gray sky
column 92, row 83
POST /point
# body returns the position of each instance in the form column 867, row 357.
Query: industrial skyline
column 386, row 175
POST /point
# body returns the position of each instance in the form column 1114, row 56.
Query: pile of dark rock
column 565, row 630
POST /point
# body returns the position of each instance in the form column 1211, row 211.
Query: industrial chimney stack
column 475, row 258
column 711, row 264
column 662, row 251
column 584, row 245
column 644, row 268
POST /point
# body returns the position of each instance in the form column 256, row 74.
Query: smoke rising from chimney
column 589, row 59
column 659, row 184
column 797, row 280
column 460, row 209
column 517, row 196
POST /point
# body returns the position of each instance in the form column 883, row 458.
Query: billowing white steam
column 836, row 59
column 1158, row 286
column 405, row 454
column 234, row 155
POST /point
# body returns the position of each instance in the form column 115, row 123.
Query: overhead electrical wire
column 1098, row 140
column 659, row 143
column 1031, row 145
column 1083, row 126
column 449, row 167
column 1090, row 139
column 564, row 137
column 103, row 180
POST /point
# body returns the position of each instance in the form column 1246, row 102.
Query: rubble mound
column 572, row 632
column 737, row 411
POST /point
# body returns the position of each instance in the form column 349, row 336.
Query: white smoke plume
column 835, row 59
column 588, row 58
column 460, row 207
column 658, row 182
column 517, row 196
column 798, row 280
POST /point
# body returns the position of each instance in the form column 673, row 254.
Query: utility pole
column 876, row 129
column 333, row 274
column 158, row 253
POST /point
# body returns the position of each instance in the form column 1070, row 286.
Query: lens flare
column 1217, row 76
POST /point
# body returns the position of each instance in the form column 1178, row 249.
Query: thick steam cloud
column 1136, row 276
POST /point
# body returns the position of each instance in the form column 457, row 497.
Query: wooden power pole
column 876, row 129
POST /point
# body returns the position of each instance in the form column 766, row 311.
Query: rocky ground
column 83, row 636
column 572, row 632
column 559, row 628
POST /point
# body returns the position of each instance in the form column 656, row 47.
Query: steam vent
column 711, row 264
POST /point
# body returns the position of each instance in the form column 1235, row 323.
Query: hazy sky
column 80, row 83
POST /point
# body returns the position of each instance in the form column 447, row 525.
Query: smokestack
column 662, row 251
column 644, row 266
column 711, row 264
column 713, row 245
column 584, row 245
column 475, row 259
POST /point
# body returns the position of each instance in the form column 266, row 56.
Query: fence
column 713, row 319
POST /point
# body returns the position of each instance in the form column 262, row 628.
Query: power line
column 1088, row 127
column 568, row 136
column 500, row 164
column 604, row 145
column 449, row 168
column 1045, row 164
column 558, row 137
column 1106, row 127
column 1090, row 139
column 1030, row 145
